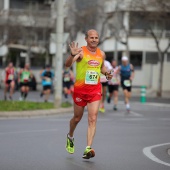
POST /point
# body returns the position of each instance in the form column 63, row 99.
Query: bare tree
column 156, row 15
column 29, row 27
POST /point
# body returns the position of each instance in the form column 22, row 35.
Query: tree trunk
column 160, row 78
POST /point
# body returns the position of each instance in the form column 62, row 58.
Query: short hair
column 87, row 32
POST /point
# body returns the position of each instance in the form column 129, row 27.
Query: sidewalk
column 60, row 111
column 36, row 112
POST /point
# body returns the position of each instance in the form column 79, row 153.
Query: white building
column 128, row 17
column 142, row 47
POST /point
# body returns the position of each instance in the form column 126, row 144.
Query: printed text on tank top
column 48, row 76
column 10, row 74
column 92, row 77
column 66, row 76
column 25, row 76
column 125, row 75
column 88, row 72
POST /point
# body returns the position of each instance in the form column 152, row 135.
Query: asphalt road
column 122, row 141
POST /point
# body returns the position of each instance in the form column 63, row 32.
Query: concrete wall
column 166, row 77
column 149, row 74
column 135, row 44
column 143, row 77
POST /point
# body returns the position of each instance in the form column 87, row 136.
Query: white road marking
column 136, row 114
column 28, row 131
column 147, row 152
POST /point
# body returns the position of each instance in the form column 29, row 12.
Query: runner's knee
column 77, row 119
column 92, row 119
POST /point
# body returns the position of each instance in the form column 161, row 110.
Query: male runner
column 113, row 85
column 9, row 81
column 24, row 76
column 127, row 75
column 87, row 88
column 47, row 76
column 104, row 83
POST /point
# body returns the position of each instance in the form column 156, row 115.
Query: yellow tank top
column 88, row 72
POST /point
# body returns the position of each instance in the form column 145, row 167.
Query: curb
column 36, row 113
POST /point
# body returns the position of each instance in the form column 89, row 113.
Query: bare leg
column 5, row 90
column 23, row 89
column 26, row 92
column 47, row 94
column 126, row 96
column 78, row 113
column 12, row 87
column 65, row 92
column 115, row 100
column 92, row 119
column 104, row 90
column 110, row 95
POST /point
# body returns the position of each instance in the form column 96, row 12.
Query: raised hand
column 74, row 48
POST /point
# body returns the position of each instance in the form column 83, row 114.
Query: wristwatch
column 73, row 55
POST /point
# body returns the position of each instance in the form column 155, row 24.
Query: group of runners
column 23, row 77
column 93, row 75
column 90, row 65
column 122, row 76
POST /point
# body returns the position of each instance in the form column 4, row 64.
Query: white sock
column 88, row 147
column 70, row 137
column 128, row 106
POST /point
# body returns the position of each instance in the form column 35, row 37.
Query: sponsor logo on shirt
column 78, row 99
column 93, row 63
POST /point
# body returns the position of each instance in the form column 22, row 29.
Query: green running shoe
column 88, row 153
column 70, row 145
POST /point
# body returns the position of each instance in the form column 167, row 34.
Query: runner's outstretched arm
column 71, row 59
column 75, row 51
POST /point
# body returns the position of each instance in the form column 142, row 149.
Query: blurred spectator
column 24, row 77
column 68, row 81
column 47, row 77
column 9, row 80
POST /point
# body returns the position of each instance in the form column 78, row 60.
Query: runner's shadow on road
column 87, row 164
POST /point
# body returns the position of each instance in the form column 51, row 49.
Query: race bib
column 48, row 79
column 91, row 77
column 66, row 79
column 26, row 77
column 10, row 77
column 114, row 80
column 127, row 83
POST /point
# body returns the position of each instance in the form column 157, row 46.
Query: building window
column 1, row 61
column 41, row 61
column 109, row 56
column 152, row 58
column 168, row 57
column 136, row 59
